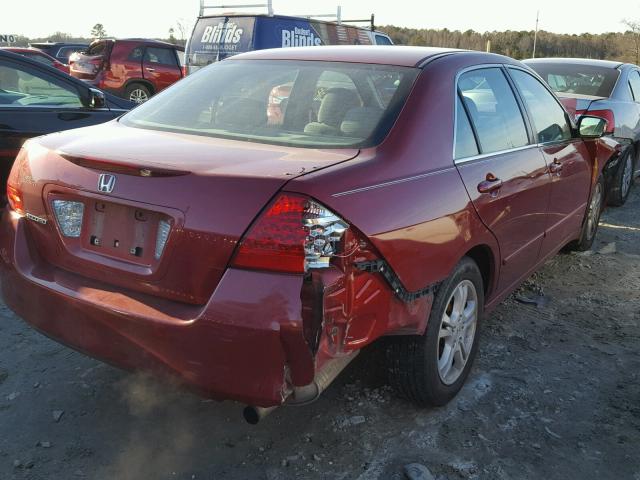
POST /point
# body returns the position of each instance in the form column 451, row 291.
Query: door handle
column 149, row 69
column 555, row 167
column 491, row 184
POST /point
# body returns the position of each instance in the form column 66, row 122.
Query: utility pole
column 535, row 35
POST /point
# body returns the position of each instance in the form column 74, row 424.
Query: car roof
column 575, row 61
column 403, row 56
column 149, row 41
column 55, row 44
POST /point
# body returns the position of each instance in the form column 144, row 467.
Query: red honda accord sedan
column 404, row 192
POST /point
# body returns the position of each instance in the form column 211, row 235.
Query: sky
column 153, row 18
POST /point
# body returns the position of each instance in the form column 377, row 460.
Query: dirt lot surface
column 555, row 394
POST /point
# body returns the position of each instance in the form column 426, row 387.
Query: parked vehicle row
column 134, row 69
column 36, row 99
column 251, row 228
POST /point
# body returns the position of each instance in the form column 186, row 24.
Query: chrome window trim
column 482, row 156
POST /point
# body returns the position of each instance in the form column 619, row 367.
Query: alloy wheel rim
column 457, row 332
column 138, row 95
column 626, row 176
column 594, row 211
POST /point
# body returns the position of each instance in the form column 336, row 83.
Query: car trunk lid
column 162, row 212
column 87, row 65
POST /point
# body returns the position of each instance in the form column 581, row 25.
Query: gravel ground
column 554, row 394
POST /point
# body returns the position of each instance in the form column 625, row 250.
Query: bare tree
column 182, row 26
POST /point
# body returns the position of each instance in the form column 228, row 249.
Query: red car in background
column 134, row 69
column 39, row 56
column 402, row 192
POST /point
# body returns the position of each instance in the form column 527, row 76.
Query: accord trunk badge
column 106, row 182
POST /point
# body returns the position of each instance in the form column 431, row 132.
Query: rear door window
column 493, row 108
column 549, row 118
column 161, row 56
column 136, row 54
column 21, row 87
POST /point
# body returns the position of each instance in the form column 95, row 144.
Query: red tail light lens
column 294, row 234
column 14, row 196
column 605, row 114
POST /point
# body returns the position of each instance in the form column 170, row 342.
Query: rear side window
column 161, row 56
column 493, row 109
column 465, row 144
column 549, row 118
column 634, row 84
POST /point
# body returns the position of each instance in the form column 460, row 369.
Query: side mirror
column 96, row 99
column 591, row 127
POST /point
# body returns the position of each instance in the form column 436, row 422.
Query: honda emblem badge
column 106, row 182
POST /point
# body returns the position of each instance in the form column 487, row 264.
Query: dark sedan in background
column 36, row 99
column 610, row 90
column 60, row 50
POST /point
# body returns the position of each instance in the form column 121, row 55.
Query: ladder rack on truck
column 337, row 17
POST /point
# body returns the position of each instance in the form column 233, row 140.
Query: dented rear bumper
column 259, row 336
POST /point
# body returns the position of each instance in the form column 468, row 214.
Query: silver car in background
column 606, row 89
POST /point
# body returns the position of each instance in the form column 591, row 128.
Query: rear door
column 160, row 66
column 34, row 102
column 567, row 158
column 215, row 38
column 504, row 172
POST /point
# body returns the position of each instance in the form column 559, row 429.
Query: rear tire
column 623, row 179
column 418, row 367
column 137, row 92
column 591, row 219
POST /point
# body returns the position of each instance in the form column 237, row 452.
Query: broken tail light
column 293, row 235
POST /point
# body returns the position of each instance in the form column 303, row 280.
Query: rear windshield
column 578, row 79
column 296, row 103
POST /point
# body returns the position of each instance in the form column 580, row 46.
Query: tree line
column 622, row 46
